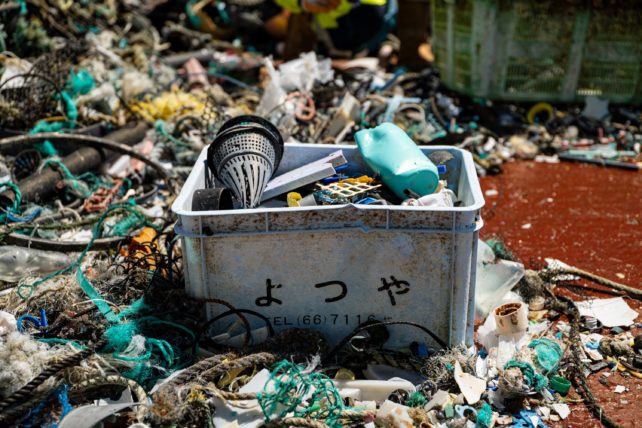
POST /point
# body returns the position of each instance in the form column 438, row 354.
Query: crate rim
column 467, row 164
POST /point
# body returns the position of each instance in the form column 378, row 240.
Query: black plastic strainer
column 244, row 155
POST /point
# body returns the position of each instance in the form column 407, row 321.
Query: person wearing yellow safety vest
column 345, row 25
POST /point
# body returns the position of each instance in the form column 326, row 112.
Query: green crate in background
column 527, row 50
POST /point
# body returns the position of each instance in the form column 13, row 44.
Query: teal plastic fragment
column 484, row 416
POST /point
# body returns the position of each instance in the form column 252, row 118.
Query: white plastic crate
column 332, row 267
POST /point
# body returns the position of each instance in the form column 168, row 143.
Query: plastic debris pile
column 106, row 108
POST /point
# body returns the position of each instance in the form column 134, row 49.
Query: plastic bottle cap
column 441, row 169
column 560, row 384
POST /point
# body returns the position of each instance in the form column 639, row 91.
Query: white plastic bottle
column 18, row 262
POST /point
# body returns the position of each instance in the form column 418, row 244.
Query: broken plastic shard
column 396, row 414
column 562, row 409
column 470, row 386
column 596, row 108
column 495, row 278
column 247, row 414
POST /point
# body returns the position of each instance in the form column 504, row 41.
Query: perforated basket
column 526, row 50
column 244, row 155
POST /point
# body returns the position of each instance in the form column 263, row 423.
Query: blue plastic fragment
column 37, row 322
column 483, row 353
column 367, row 201
column 522, row 420
column 592, row 345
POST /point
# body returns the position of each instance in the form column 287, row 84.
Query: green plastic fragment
column 484, row 416
column 416, row 399
column 449, row 410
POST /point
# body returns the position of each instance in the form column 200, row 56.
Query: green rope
column 134, row 221
column 79, row 83
column 194, row 19
column 78, row 187
column 159, row 127
column 291, row 387
column 15, row 207
column 3, row 44
column 23, row 7
column 549, row 353
column 532, row 378
column 121, row 332
column 97, row 233
column 120, row 335
column 45, row 147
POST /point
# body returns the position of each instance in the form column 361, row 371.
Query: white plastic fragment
column 304, row 175
column 469, row 385
column 562, row 410
column 481, row 367
column 545, row 412
column 444, row 199
column 619, row 389
column 613, row 312
column 90, row 415
column 246, row 414
column 440, row 398
column 397, row 414
column 596, row 108
column 7, row 323
column 375, row 390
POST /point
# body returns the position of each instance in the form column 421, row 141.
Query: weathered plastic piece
column 495, row 278
column 331, row 268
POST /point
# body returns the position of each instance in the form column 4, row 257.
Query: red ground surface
column 589, row 217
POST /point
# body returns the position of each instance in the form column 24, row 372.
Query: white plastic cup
column 511, row 318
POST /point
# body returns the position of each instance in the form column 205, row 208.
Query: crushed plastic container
column 332, row 268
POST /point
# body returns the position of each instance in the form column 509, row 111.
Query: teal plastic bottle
column 392, row 155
